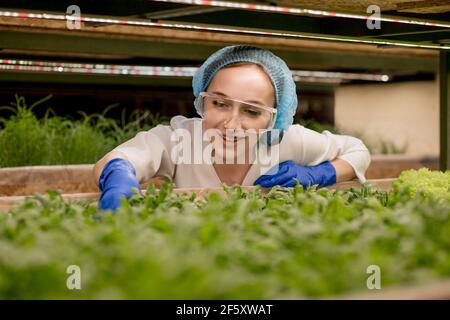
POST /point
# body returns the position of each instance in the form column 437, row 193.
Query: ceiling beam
column 180, row 12
column 204, row 37
column 437, row 36
column 424, row 4
column 198, row 52
column 168, row 14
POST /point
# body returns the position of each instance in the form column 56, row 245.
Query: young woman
column 247, row 99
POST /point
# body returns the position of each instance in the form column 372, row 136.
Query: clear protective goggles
column 250, row 115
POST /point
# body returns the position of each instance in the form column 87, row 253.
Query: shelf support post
column 444, row 113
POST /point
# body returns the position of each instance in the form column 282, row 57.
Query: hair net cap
column 276, row 69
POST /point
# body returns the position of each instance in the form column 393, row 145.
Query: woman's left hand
column 284, row 174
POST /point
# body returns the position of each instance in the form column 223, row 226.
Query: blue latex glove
column 116, row 181
column 323, row 175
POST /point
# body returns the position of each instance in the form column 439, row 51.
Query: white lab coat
column 150, row 152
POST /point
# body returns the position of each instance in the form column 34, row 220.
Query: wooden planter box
column 28, row 180
column 390, row 166
column 79, row 178
column 436, row 290
column 66, row 178
column 76, row 181
column 8, row 202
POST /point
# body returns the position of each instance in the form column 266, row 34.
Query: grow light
column 47, row 66
column 341, row 75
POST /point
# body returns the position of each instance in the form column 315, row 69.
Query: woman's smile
column 231, row 139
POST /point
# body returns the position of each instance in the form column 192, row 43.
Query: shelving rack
column 320, row 35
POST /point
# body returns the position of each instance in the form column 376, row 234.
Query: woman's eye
column 220, row 104
column 252, row 112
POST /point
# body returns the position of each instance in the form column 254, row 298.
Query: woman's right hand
column 117, row 181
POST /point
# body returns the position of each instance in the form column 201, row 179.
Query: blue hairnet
column 276, row 69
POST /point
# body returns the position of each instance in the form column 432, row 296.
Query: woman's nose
column 234, row 122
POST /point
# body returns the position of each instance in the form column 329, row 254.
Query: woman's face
column 245, row 82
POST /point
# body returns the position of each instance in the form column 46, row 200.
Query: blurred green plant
column 432, row 184
column 380, row 146
column 318, row 126
column 27, row 140
column 390, row 147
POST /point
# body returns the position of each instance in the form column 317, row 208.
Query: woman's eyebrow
column 249, row 101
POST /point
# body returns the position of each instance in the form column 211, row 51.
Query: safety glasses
column 251, row 116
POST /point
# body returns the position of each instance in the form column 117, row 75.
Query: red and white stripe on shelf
column 167, row 71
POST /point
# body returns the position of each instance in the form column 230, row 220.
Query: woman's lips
column 227, row 142
column 232, row 139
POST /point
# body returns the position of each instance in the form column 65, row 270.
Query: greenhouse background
column 78, row 78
